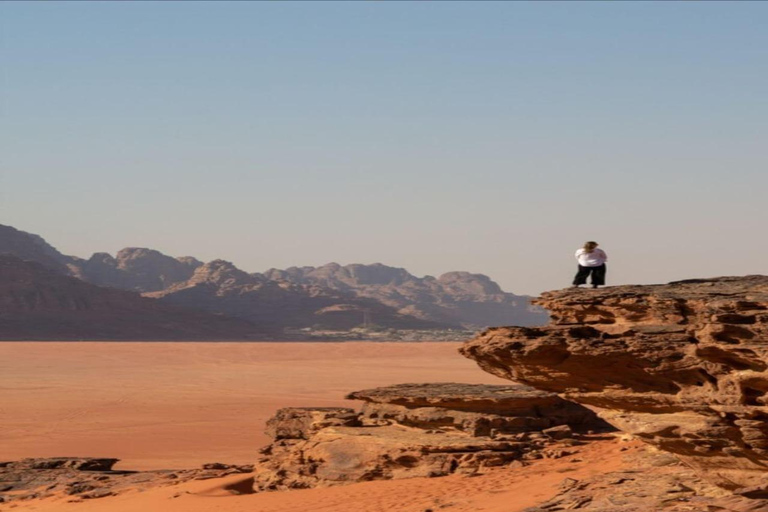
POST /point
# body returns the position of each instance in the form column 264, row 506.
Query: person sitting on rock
column 591, row 261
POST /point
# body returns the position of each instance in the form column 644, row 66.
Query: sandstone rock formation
column 654, row 481
column 37, row 303
column 682, row 366
column 457, row 299
column 415, row 430
column 479, row 410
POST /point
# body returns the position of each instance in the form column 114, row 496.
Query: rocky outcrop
column 653, row 481
column 84, row 478
column 456, row 299
column 478, row 410
column 415, row 430
column 682, row 366
column 37, row 303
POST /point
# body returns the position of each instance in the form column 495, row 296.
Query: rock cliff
column 682, row 366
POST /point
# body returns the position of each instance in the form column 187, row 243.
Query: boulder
column 303, row 422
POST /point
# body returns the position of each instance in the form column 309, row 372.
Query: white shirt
column 591, row 259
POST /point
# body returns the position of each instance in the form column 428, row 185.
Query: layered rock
column 478, row 410
column 416, row 430
column 681, row 366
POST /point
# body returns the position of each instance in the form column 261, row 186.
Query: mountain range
column 257, row 305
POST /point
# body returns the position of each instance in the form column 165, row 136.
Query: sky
column 488, row 137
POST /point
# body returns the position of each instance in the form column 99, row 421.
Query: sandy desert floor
column 501, row 490
column 179, row 405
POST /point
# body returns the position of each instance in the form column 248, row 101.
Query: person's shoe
column 594, row 286
column 574, row 286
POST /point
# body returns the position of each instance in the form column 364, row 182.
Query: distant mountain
column 455, row 298
column 221, row 287
column 31, row 247
column 133, row 268
column 40, row 303
column 327, row 297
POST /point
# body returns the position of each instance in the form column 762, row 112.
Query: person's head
column 590, row 246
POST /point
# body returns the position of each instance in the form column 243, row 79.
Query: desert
column 383, row 256
column 179, row 405
column 634, row 398
column 174, row 406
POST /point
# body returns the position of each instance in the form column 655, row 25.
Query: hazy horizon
column 487, row 137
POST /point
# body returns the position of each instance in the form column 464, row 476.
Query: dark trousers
column 598, row 275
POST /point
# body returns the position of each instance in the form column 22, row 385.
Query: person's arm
column 605, row 256
column 579, row 253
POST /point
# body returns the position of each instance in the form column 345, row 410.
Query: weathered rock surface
column 682, row 366
column 479, row 410
column 304, row 422
column 415, row 430
column 91, row 478
column 656, row 482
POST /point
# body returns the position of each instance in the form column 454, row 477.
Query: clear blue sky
column 489, row 137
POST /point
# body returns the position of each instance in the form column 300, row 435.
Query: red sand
column 503, row 490
column 179, row 405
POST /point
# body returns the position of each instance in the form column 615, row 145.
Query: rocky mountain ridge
column 460, row 299
column 136, row 269
column 220, row 287
column 39, row 303
column 331, row 297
